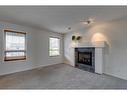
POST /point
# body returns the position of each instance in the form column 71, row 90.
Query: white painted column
column 99, row 60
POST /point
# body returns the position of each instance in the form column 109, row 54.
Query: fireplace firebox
column 85, row 59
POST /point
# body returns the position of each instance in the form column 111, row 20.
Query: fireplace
column 85, row 59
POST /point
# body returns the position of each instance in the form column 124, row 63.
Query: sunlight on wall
column 99, row 33
column 98, row 37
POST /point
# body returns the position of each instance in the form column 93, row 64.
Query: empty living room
column 63, row 47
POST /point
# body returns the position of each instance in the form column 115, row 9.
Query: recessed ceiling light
column 69, row 28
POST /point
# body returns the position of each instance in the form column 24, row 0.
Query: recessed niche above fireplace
column 85, row 58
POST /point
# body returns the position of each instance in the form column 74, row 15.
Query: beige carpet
column 60, row 76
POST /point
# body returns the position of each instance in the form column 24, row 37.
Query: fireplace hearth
column 85, row 58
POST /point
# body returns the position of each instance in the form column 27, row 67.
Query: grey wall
column 43, row 47
column 37, row 49
column 115, row 34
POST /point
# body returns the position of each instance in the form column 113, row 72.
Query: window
column 54, row 46
column 15, row 45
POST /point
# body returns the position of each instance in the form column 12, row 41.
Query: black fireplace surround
column 85, row 58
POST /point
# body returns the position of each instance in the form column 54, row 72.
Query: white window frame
column 18, row 57
column 59, row 47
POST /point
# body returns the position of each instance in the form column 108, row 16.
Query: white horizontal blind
column 54, row 46
column 15, row 45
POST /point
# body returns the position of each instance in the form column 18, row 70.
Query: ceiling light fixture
column 88, row 22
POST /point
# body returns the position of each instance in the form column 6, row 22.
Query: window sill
column 54, row 55
column 15, row 59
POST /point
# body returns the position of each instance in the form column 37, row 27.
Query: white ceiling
column 59, row 18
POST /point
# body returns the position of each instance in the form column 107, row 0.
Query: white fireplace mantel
column 99, row 54
column 99, row 44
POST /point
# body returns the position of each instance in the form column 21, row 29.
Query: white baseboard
column 26, row 69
